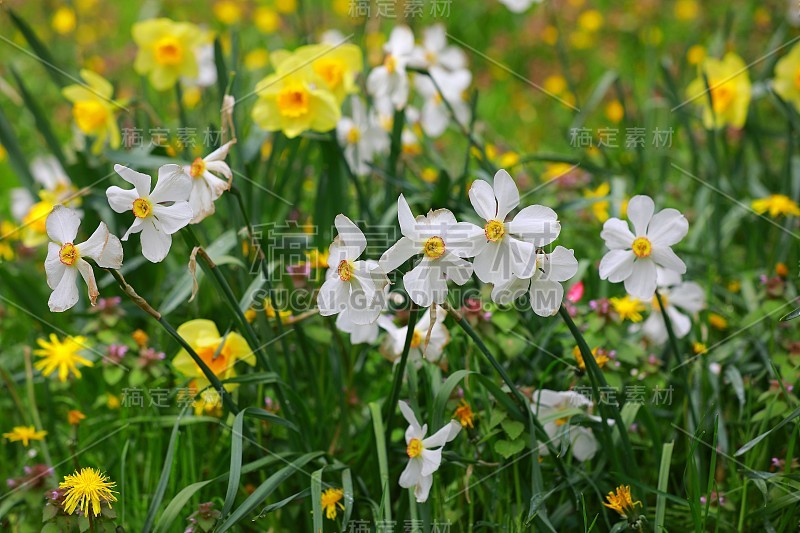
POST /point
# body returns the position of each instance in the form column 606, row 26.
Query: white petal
column 401, row 41
column 174, row 185
column 689, row 296
column 667, row 227
column 493, row 264
column 506, row 293
column 425, row 284
column 560, row 265
column 62, row 224
column 95, row 245
column 220, row 153
column 171, row 219
column 431, row 459
column 121, row 200
column 201, row 200
column 88, row 276
column 584, row 445
column 411, row 474
column 112, row 253
column 481, row 196
column 351, row 236
column 523, row 257
column 507, row 194
column 140, row 181
column 654, row 328
column 546, row 296
column 681, row 324
column 408, row 226
column 408, row 414
column 617, row 234
column 155, row 243
column 537, row 224
column 443, row 436
column 65, row 294
column 666, row 258
column 464, row 238
column 642, row 281
column 399, row 253
column 616, row 265
column 423, row 488
column 333, row 296
column 136, row 227
column 53, row 265
column 455, row 269
column 640, row 211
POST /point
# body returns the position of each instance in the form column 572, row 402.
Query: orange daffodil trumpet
column 66, row 258
column 633, row 258
column 353, row 288
column 155, row 220
column 424, row 454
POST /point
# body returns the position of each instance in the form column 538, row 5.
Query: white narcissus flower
column 423, row 346
column 155, row 220
column 362, row 137
column 554, row 409
column 679, row 297
column 508, row 250
column 443, row 243
column 65, row 258
column 434, row 51
column 435, row 115
column 424, row 454
column 633, row 258
column 206, row 187
column 518, row 6
column 388, row 83
column 546, row 291
column 356, row 288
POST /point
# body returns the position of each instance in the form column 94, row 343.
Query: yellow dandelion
column 776, row 205
column 628, row 308
column 85, row 487
column 227, row 11
column 599, row 207
column 62, row 356
column 331, row 499
column 140, row 338
column 686, row 9
column 599, row 357
column 465, row 415
column 590, row 20
column 63, row 21
column 24, row 434
column 699, row 348
column 622, row 502
column 266, row 19
column 717, row 321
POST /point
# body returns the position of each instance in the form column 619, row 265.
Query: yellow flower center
column 494, row 230
column 168, row 51
column 68, row 254
column 434, row 247
column 345, row 270
column 330, row 70
column 561, row 421
column 354, row 135
column 142, row 208
column 293, row 100
column 642, row 247
column 722, row 94
column 390, row 63
column 198, row 168
column 416, row 339
column 414, row 448
column 89, row 115
column 664, row 299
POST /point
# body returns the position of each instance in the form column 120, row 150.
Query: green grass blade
column 39, row 49
column 383, row 464
column 15, row 156
column 316, row 498
column 663, row 480
column 165, row 472
column 347, row 487
column 440, row 402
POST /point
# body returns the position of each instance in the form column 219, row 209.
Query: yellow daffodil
column 266, row 19
column 776, row 205
column 331, row 499
column 614, row 111
column 62, row 356
column 218, row 353
column 787, row 77
column 24, row 434
column 686, row 9
column 227, row 11
column 622, row 502
column 729, row 85
column 337, row 66
column 93, row 109
column 294, row 102
column 167, row 50
column 89, row 486
column 599, row 204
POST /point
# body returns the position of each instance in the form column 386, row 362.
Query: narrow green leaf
column 383, row 463
column 39, row 49
column 15, row 156
column 165, row 472
column 663, row 479
column 316, row 498
column 444, row 393
column 747, row 447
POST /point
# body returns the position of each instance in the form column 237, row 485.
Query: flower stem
column 400, row 371
column 673, row 343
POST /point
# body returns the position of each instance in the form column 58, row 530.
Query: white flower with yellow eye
column 633, row 258
column 154, row 219
column 206, row 187
column 450, row 94
column 388, row 83
column 555, row 410
column 362, row 137
column 544, row 287
column 424, row 454
column 65, row 258
column 681, row 298
column 509, row 247
column 443, row 243
column 353, row 287
column 435, row 52
column 427, row 342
